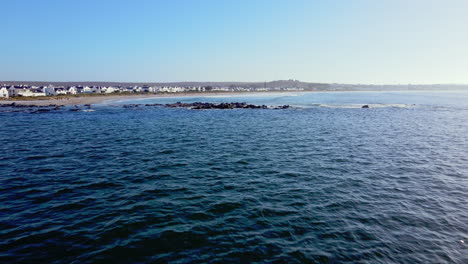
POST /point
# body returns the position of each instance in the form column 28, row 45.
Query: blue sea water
column 322, row 182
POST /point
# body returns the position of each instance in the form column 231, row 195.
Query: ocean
column 324, row 181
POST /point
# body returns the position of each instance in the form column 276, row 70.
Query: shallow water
column 323, row 182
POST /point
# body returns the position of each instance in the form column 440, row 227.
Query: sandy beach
column 75, row 100
column 99, row 99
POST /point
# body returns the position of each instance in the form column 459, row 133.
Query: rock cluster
column 31, row 108
column 196, row 106
column 15, row 105
column 200, row 105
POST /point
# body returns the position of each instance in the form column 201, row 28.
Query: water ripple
column 318, row 185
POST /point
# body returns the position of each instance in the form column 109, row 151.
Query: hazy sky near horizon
column 344, row 41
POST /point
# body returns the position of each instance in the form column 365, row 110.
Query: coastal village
column 12, row 90
column 8, row 91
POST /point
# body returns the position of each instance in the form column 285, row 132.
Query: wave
column 354, row 105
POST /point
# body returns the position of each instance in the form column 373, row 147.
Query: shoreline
column 98, row 99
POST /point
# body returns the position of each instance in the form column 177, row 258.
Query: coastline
column 103, row 98
column 98, row 99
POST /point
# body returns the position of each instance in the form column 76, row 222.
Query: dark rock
column 41, row 110
column 131, row 105
column 234, row 105
column 365, row 106
column 201, row 106
column 153, row 104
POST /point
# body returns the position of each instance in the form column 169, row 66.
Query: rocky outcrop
column 201, row 106
column 27, row 108
column 15, row 105
column 196, row 106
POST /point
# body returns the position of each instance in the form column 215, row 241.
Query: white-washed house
column 87, row 89
column 72, row 90
column 12, row 92
column 111, row 89
column 4, row 92
column 153, row 89
column 61, row 91
column 29, row 92
column 128, row 89
column 97, row 89
column 49, row 90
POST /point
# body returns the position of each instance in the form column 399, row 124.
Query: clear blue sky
column 345, row 41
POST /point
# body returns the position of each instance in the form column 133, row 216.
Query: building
column 60, row 91
column 72, row 90
column 110, row 89
column 30, row 92
column 87, row 89
column 144, row 89
column 4, row 92
column 12, row 92
column 49, row 90
column 127, row 89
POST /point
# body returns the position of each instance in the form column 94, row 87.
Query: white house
column 111, row 89
column 153, row 89
column 86, row 89
column 12, row 92
column 49, row 90
column 61, row 91
column 30, row 92
column 4, row 92
column 144, row 89
column 172, row 89
column 72, row 90
column 127, row 89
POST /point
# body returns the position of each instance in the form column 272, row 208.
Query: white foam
column 370, row 105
